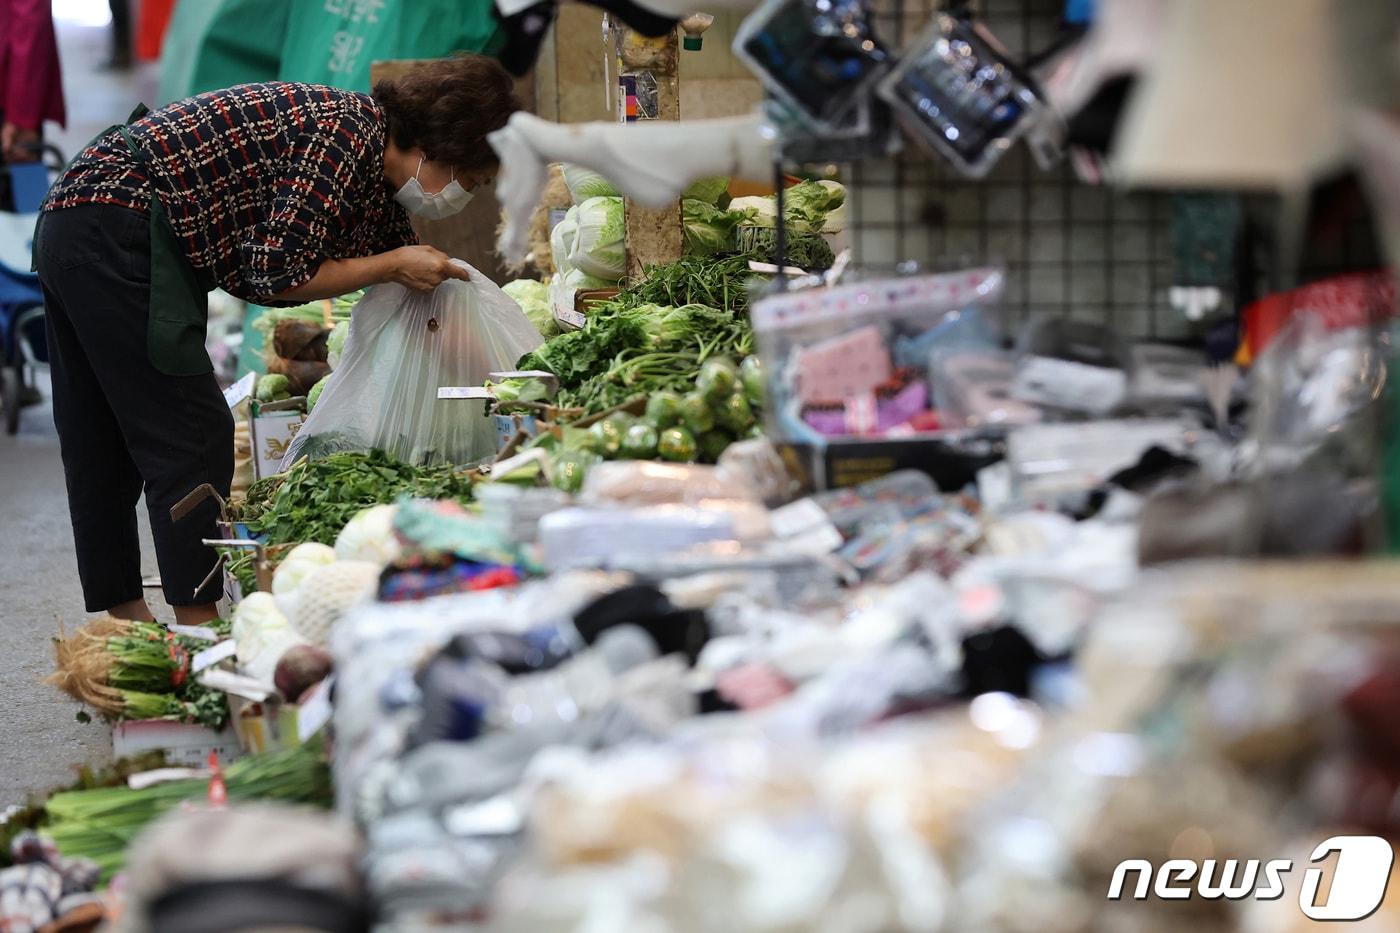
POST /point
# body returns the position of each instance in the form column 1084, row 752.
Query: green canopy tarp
column 334, row 41
column 213, row 44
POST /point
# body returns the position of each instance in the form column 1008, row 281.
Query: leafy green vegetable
column 335, row 343
column 805, row 206
column 315, row 499
column 718, row 283
column 708, row 230
column 526, row 290
column 708, row 190
column 313, row 312
column 598, row 249
column 512, row 391
column 314, row 395
column 584, row 183
column 273, row 387
column 561, row 241
column 810, row 252
column 578, row 279
column 533, row 298
column 101, row 823
column 654, row 336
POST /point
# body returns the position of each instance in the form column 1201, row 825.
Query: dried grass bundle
column 83, row 665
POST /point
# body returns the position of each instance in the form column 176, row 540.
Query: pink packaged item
column 834, row 370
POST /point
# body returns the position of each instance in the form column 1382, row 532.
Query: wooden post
column 469, row 235
column 653, row 236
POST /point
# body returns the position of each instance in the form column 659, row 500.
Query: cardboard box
column 272, row 433
column 508, row 426
column 183, row 743
column 262, row 727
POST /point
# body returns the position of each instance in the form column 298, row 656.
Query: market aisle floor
column 40, row 740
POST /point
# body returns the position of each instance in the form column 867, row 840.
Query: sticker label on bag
column 313, row 715
column 572, row 318
column 241, row 391
column 201, row 632
column 211, row 656
column 464, row 392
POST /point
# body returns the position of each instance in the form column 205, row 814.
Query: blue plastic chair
column 23, row 339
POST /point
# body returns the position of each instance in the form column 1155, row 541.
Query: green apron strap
column 178, row 317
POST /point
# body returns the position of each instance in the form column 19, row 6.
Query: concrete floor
column 40, row 740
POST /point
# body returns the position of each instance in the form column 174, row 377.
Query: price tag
column 313, row 715
column 241, row 390
column 163, row 775
column 201, row 632
column 508, row 466
column 466, row 392
column 236, row 684
column 503, row 375
column 211, row 656
column 571, row 317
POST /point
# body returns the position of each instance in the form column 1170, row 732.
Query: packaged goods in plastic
column 856, row 362
column 403, row 346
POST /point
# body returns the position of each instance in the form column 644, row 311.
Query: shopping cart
column 23, row 344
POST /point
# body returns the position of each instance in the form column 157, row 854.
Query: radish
column 301, row 668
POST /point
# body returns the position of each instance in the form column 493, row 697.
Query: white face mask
column 445, row 203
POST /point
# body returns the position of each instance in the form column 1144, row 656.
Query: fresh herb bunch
column 100, row 824
column 315, row 499
column 654, row 336
column 720, row 283
column 137, row 670
column 33, row 813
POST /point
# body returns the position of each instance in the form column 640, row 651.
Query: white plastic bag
column 403, row 346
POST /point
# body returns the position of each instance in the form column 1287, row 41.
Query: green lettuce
column 709, row 190
column 598, row 249
column 585, row 183
column 533, row 298
column 708, row 230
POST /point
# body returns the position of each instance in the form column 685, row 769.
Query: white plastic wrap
column 402, row 347
column 644, row 482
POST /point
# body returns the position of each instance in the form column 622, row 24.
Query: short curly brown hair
column 447, row 106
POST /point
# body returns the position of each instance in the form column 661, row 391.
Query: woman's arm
column 421, row 268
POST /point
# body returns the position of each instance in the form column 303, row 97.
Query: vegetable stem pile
column 315, row 499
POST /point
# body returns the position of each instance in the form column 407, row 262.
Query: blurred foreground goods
column 882, row 546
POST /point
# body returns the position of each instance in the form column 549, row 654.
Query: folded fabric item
column 451, row 576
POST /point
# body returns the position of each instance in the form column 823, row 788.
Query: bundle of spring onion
column 135, row 670
column 99, row 824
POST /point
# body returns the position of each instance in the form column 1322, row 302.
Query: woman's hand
column 423, row 268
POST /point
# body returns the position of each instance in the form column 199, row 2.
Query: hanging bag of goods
column 402, row 347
